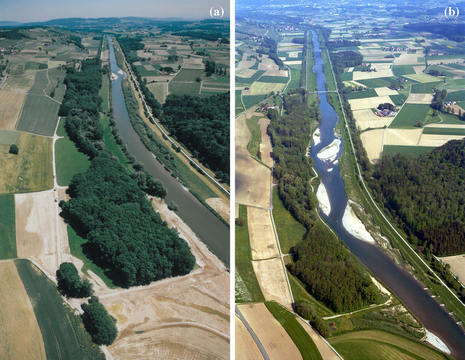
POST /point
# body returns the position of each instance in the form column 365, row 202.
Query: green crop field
column 424, row 88
column 8, row 137
column 376, row 344
column 61, row 128
column 249, row 81
column 441, row 70
column 33, row 65
column 39, row 115
column 7, row 227
column 379, row 82
column 456, row 96
column 406, row 149
column 290, row 231
column 40, row 83
column 296, row 73
column 444, row 131
column 69, row 161
column 184, row 88
column 398, row 99
column 347, row 76
column 361, row 94
column 17, row 70
column 299, row 336
column 103, row 93
column 159, row 91
column 58, row 334
column 251, row 100
column 56, row 77
column 189, row 75
column 410, row 115
column 238, row 103
column 256, row 136
column 144, row 72
column 399, row 70
column 457, row 66
column 243, row 262
column 274, row 79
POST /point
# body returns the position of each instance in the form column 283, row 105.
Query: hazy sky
column 43, row 10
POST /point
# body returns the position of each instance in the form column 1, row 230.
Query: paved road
column 265, row 355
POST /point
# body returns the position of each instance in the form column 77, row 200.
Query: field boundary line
column 252, row 333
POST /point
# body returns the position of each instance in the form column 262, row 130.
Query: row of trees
column 330, row 272
column 125, row 235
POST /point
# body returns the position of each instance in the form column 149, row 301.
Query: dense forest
column 202, row 126
column 125, row 235
column 98, row 322
column 426, row 196
column 330, row 272
column 268, row 47
column 455, row 32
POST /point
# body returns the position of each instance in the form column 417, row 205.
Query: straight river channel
column 404, row 285
column 213, row 232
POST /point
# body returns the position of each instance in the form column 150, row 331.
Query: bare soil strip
column 457, row 265
column 272, row 279
column 246, row 348
column 402, row 136
column 275, row 340
column 437, row 140
column 17, row 319
column 36, row 228
column 373, row 143
column 263, row 242
column 266, row 150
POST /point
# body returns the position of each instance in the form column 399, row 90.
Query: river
column 212, row 231
column 404, row 285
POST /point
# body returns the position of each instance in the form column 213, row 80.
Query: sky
column 43, row 10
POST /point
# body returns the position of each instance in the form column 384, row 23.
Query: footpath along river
column 213, row 232
column 404, row 285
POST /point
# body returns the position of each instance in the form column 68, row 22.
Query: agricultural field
column 69, row 161
column 375, row 344
column 20, row 84
column 7, row 227
column 410, row 115
column 11, row 104
column 39, row 115
column 17, row 318
column 246, row 348
column 160, row 91
column 261, row 234
column 58, row 335
column 457, row 265
column 275, row 340
column 184, row 88
column 31, row 169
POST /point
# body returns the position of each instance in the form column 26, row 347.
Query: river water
column 404, row 285
column 213, row 232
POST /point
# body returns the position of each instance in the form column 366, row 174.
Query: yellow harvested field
column 11, row 104
column 372, row 140
column 236, row 211
column 270, row 72
column 274, row 339
column 36, row 228
column 367, row 119
column 253, row 180
column 437, row 140
column 20, row 335
column 293, row 62
column 354, row 83
column 369, row 103
column 326, row 352
column 258, row 88
column 263, row 242
column 402, row 136
column 220, row 207
column 381, row 66
column 20, row 84
column 243, row 64
column 294, row 54
column 271, row 276
column 420, row 99
column 266, row 150
column 246, row 348
column 448, row 126
column 56, row 63
column 457, row 265
column 362, row 75
column 385, row 91
column 246, row 73
column 407, row 59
